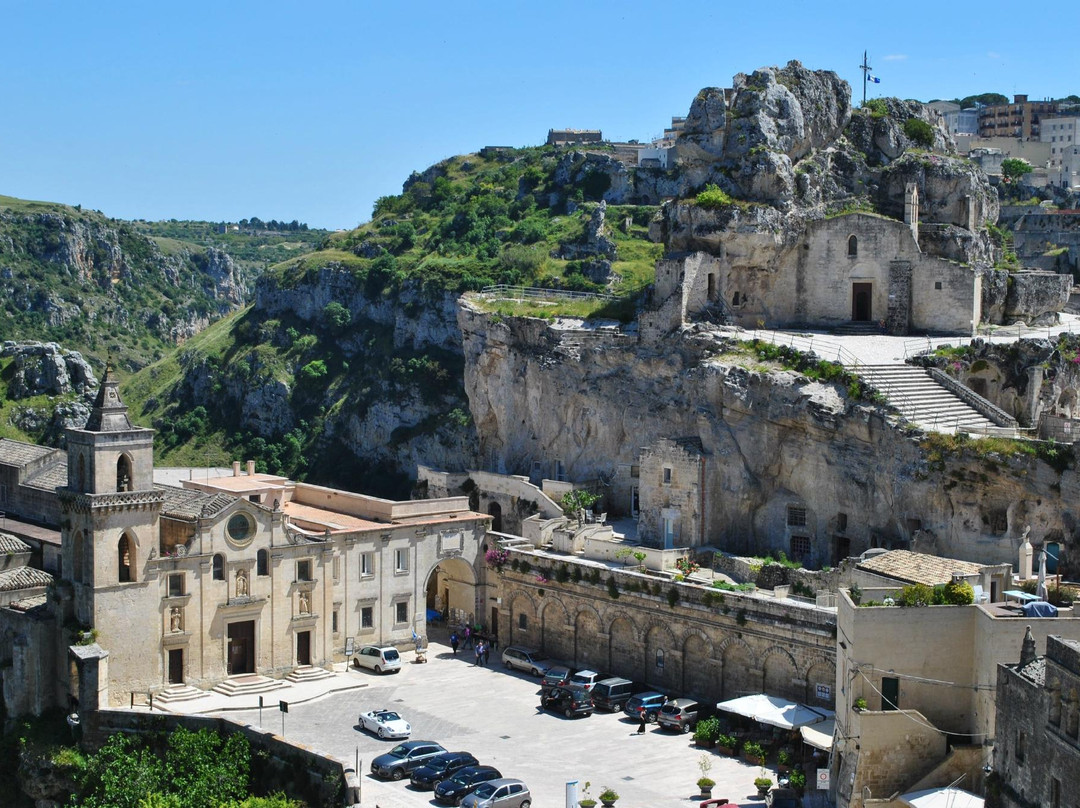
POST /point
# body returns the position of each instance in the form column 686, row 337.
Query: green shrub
column 958, row 593
column 707, row 729
column 878, row 108
column 919, row 131
column 713, row 197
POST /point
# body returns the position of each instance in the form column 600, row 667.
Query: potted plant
column 586, row 801
column 763, row 785
column 705, row 783
column 707, row 731
column 753, row 752
column 783, row 761
column 608, row 796
column 797, row 779
column 860, row 704
column 728, row 744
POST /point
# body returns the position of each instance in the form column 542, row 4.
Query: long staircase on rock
column 928, row 403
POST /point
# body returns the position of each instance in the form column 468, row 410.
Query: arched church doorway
column 451, row 596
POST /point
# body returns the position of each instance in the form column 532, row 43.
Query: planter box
column 725, row 750
column 704, row 744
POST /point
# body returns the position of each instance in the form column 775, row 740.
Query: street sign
column 823, row 779
column 283, row 706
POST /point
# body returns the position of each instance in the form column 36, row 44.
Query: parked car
column 569, row 701
column 556, row 676
column 505, row 793
column 650, row 702
column 612, row 694
column 381, row 659
column 439, row 768
column 385, row 724
column 526, row 659
column 587, row 679
column 782, row 798
column 680, row 714
column 454, row 789
column 403, row 758
column 713, row 803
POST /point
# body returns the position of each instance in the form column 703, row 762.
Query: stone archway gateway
column 450, row 594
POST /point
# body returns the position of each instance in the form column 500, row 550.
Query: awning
column 776, row 712
column 820, row 735
column 943, row 797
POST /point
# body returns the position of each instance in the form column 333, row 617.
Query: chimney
column 251, row 468
column 1026, row 555
column 236, row 468
column 911, row 209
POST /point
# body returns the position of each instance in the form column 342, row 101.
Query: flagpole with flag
column 867, row 76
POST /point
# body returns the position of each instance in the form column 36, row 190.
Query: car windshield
column 485, row 791
column 668, row 709
column 399, row 751
column 462, row 778
column 390, row 654
column 388, row 715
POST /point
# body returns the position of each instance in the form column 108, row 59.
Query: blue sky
column 311, row 111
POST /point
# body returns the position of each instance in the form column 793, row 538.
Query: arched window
column 852, row 246
column 77, row 556
column 219, row 567
column 123, row 474
column 262, row 564
column 125, row 551
column 495, row 512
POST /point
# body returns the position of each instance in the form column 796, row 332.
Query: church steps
column 248, row 683
column 308, row 673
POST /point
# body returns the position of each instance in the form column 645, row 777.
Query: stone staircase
column 858, row 328
column 929, row 404
column 248, row 683
column 175, row 693
column 308, row 673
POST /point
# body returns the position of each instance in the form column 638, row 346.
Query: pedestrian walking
column 454, row 642
column 486, row 653
column 641, row 722
column 476, row 651
column 469, row 638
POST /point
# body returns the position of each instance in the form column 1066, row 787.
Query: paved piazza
column 494, row 714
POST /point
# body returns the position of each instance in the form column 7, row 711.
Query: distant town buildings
column 1020, row 119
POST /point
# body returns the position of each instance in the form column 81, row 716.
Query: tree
column 336, row 318
column 576, row 501
column 919, row 131
column 1013, row 169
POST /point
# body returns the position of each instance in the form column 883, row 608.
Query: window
column 176, row 584
column 401, row 612
column 853, row 246
column 523, row 620
column 401, row 560
column 262, row 563
column 240, row 528
column 1021, row 744
column 334, row 621
column 841, row 521
column 367, row 617
column 303, row 570
column 635, row 471
column 126, row 566
column 367, row 565
column 218, row 567
column 796, row 516
column 667, row 475
column 937, row 285
column 123, row 474
column 659, row 660
column 800, row 547
column 335, row 567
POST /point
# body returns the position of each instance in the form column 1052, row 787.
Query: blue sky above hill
column 311, row 111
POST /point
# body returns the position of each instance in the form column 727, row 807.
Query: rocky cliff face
column 769, row 436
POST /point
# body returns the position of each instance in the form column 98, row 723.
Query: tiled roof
column 918, row 568
column 17, row 453
column 187, row 503
column 1034, row 671
column 23, row 578
column 11, row 544
column 51, row 477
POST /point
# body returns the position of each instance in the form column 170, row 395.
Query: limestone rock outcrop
column 48, row 369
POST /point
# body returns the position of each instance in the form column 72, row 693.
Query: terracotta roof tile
column 918, row 568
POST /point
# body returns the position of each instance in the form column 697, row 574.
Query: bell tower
column 109, row 509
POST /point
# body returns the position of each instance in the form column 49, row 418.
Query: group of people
column 481, row 645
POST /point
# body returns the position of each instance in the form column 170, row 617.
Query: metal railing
column 504, row 292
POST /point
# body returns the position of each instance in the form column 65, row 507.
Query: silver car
column 503, row 793
column 526, row 659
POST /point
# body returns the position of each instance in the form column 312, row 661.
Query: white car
column 381, row 659
column 385, row 724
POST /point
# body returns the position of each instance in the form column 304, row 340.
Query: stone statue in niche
column 175, row 619
column 305, row 603
column 241, row 584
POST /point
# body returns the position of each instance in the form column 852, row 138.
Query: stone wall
column 708, row 644
column 301, row 772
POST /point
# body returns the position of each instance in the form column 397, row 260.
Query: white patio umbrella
column 1041, row 592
